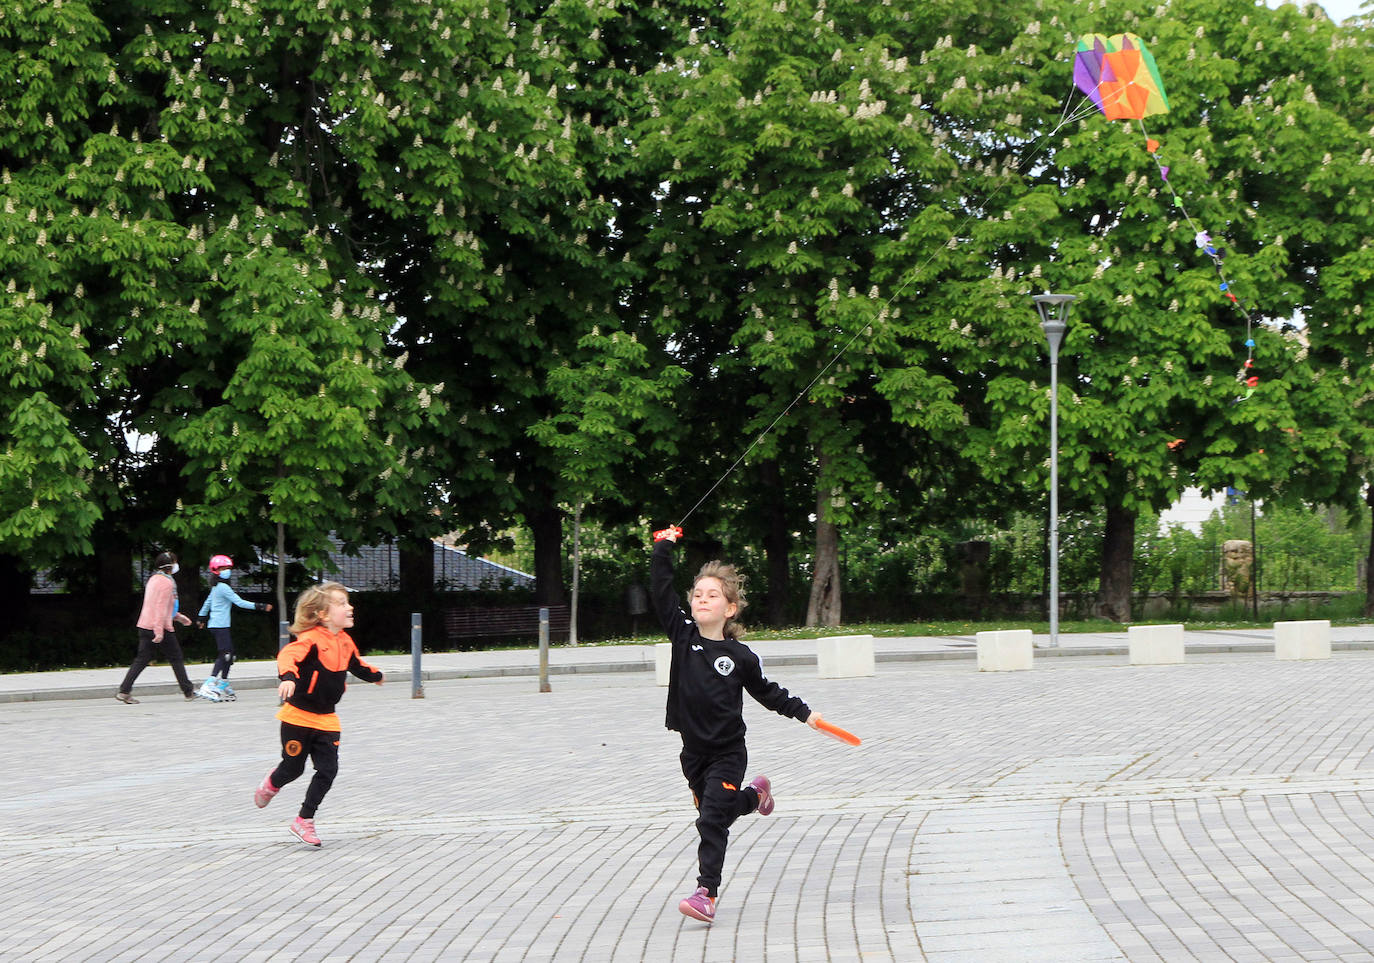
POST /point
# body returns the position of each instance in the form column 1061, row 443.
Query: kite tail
column 1248, row 375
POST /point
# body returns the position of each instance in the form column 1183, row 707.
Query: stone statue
column 1237, row 565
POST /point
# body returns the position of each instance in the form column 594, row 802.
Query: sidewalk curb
column 515, row 671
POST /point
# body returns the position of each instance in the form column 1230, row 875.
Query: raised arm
column 674, row 620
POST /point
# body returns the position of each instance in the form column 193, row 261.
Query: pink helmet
column 221, row 561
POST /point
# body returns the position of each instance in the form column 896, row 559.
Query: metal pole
column 283, row 639
column 577, row 566
column 1054, row 495
column 544, row 650
column 1054, row 321
column 417, row 690
column 1254, row 562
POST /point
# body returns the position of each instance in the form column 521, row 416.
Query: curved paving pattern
column 1256, row 877
column 1219, row 810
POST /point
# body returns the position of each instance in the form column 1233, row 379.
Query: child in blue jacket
column 218, row 606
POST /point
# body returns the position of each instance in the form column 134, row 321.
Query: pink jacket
column 159, row 606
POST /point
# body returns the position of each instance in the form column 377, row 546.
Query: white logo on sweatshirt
column 725, row 665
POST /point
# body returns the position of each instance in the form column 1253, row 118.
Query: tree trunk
column 1118, row 556
column 1369, row 560
column 777, row 542
column 281, row 576
column 115, row 590
column 824, row 605
column 823, row 608
column 546, row 524
column 15, row 579
column 416, row 557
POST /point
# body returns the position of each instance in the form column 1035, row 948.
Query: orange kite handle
column 674, row 530
column 835, row 732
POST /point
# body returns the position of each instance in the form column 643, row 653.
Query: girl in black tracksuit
column 711, row 669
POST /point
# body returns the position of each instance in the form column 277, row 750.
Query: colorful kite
column 1118, row 74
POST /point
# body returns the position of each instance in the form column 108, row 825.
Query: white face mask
column 175, row 568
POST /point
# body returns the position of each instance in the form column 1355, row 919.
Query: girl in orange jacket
column 312, row 671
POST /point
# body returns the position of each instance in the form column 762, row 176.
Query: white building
column 1192, row 509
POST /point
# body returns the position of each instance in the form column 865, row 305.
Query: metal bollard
column 544, row 650
column 417, row 690
column 283, row 639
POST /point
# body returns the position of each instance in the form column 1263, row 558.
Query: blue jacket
column 218, row 602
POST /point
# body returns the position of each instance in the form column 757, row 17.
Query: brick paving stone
column 1085, row 810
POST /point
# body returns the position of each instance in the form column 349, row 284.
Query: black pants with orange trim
column 322, row 748
column 715, row 779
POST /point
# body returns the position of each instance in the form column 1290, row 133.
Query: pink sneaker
column 765, row 791
column 699, row 906
column 305, row 829
column 264, row 793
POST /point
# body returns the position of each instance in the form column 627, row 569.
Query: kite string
column 790, row 405
column 910, row 276
column 1066, row 117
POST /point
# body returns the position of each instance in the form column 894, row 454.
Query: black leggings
column 322, row 747
column 224, row 643
column 715, row 781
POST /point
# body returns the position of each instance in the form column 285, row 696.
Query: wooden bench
column 505, row 620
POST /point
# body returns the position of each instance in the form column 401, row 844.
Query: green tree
column 1337, row 422
column 800, row 170
column 612, row 413
column 1153, row 359
column 101, row 286
column 521, row 252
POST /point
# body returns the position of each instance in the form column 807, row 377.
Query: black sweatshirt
column 708, row 677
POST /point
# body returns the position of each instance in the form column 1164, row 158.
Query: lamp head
column 1054, row 316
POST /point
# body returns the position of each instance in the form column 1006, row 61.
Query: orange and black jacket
column 318, row 662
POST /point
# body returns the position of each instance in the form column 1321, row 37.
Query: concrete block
column 663, row 662
column 1310, row 639
column 1155, row 644
column 844, row 656
column 1007, row 651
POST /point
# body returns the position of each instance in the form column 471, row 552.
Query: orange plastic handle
column 661, row 534
column 835, row 732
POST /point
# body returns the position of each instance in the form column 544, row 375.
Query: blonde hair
column 732, row 587
column 313, row 604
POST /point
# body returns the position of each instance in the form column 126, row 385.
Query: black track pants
column 298, row 742
column 715, row 780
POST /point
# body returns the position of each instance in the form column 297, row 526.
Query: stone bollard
column 663, row 661
column 1007, row 651
column 1309, row 639
column 1155, row 644
column 844, row 656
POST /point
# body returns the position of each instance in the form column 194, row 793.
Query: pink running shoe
column 305, row 829
column 699, row 906
column 765, row 791
column 264, row 793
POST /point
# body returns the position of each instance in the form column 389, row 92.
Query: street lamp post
column 1054, row 320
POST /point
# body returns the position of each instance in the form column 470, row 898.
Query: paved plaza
column 1085, row 810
